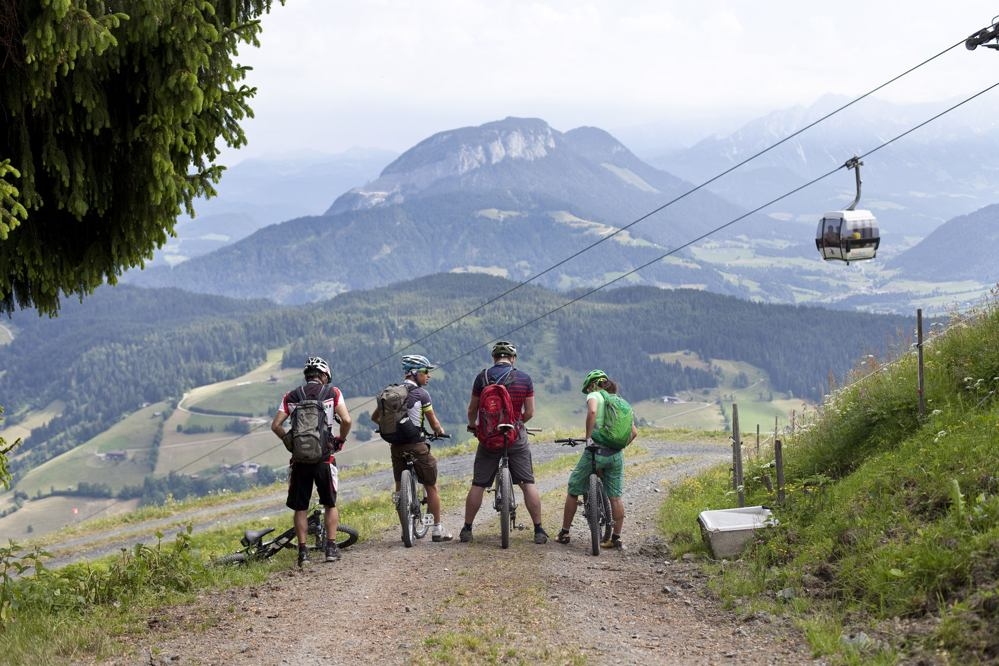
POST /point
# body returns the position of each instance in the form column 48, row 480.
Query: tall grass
column 890, row 520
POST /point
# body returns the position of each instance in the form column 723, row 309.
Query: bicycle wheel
column 346, row 536
column 593, row 513
column 403, row 508
column 505, row 490
column 235, row 558
column 607, row 517
column 420, row 528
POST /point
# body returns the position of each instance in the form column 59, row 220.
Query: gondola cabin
column 848, row 235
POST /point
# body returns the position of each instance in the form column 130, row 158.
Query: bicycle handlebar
column 570, row 441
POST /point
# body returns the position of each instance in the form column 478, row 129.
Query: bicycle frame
column 411, row 503
column 256, row 549
column 596, row 504
column 412, row 500
column 505, row 500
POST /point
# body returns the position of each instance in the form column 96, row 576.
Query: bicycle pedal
column 428, row 520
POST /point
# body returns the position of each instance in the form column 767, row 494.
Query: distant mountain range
column 519, row 199
column 947, row 168
column 257, row 193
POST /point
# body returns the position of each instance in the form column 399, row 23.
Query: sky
column 333, row 75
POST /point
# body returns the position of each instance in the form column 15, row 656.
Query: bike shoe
column 541, row 536
column 613, row 544
column 465, row 536
column 303, row 557
column 563, row 536
column 441, row 534
column 332, row 553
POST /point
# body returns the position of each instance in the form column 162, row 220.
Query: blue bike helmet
column 413, row 363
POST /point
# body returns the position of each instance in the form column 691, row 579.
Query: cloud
column 385, row 73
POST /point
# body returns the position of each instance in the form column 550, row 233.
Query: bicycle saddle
column 253, row 536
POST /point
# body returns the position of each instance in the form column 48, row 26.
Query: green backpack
column 615, row 429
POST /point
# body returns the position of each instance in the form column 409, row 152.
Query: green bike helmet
column 592, row 376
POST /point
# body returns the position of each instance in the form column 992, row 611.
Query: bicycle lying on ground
column 412, row 501
column 504, row 499
column 596, row 504
column 256, row 549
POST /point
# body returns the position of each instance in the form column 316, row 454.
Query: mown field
column 194, row 437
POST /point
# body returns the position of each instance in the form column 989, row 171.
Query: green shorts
column 611, row 467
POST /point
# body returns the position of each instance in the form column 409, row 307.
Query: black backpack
column 310, row 429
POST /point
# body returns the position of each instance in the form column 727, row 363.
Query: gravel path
column 476, row 603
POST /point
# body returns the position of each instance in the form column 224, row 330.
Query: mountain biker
column 322, row 474
column 521, row 389
column 610, row 462
column 419, row 409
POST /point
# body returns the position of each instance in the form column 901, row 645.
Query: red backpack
column 495, row 407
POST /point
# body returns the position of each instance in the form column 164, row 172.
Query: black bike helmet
column 504, row 348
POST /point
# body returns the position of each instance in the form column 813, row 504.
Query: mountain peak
column 462, row 150
column 454, row 154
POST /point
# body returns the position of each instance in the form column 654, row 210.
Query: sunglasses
column 425, row 371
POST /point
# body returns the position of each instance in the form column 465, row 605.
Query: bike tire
column 235, row 558
column 506, row 502
column 592, row 511
column 404, row 510
column 608, row 516
column 346, row 536
column 420, row 528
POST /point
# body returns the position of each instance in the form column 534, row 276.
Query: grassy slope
column 888, row 515
column 888, row 544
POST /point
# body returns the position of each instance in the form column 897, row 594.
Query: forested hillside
column 132, row 346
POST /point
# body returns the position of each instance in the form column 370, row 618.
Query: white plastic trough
column 727, row 531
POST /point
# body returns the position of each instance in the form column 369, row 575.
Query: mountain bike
column 596, row 504
column 256, row 549
column 504, row 499
column 412, row 500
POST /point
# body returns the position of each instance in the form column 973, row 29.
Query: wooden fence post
column 919, row 363
column 779, row 462
column 737, row 456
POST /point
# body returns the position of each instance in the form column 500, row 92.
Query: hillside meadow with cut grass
column 194, row 434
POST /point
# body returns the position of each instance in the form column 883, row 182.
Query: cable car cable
column 661, row 257
column 652, row 212
column 640, row 219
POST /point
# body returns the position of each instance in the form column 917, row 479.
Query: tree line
column 134, row 346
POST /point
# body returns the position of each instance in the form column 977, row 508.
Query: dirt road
column 476, row 603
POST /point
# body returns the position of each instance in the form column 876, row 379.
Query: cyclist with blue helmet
column 419, row 410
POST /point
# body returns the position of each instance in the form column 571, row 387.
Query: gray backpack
column 310, row 429
column 393, row 421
